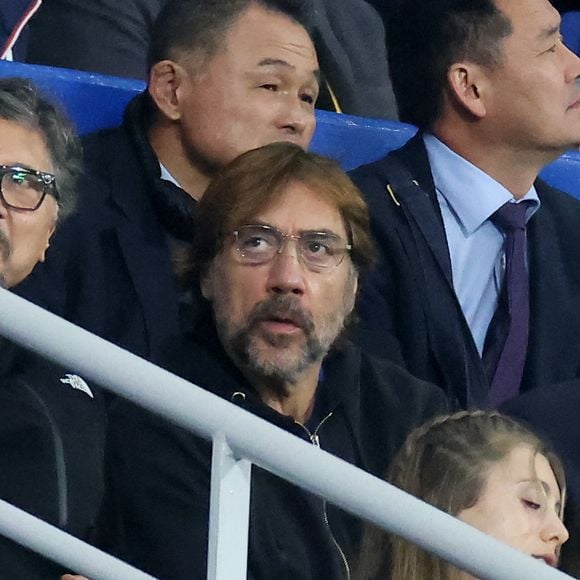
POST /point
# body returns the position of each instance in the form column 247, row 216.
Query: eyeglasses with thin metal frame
column 318, row 251
column 24, row 189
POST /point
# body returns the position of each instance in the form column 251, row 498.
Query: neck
column 515, row 169
column 166, row 142
column 295, row 398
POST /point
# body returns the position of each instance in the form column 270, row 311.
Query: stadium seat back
column 96, row 101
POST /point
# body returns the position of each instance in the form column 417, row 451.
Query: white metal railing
column 241, row 439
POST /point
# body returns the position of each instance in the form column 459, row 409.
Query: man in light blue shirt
column 475, row 243
column 494, row 93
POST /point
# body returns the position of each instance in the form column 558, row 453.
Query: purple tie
column 507, row 341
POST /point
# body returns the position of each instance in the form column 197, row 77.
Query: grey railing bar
column 227, row 554
column 270, row 448
column 63, row 548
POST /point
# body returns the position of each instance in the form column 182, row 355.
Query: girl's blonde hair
column 445, row 463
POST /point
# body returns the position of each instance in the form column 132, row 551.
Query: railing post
column 229, row 513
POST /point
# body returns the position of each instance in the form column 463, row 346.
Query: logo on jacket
column 77, row 383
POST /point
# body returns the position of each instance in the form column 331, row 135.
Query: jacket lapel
column 418, row 200
column 423, row 236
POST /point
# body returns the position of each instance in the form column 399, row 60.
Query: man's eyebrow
column 285, row 64
column 550, row 31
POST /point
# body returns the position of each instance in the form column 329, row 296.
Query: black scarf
column 175, row 208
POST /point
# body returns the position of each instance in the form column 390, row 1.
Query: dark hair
column 22, row 103
column 198, row 27
column 445, row 463
column 425, row 37
column 258, row 178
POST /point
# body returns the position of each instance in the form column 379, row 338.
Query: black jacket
column 109, row 266
column 157, row 514
column 52, row 434
column 408, row 308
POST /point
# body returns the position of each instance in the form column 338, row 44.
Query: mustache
column 283, row 308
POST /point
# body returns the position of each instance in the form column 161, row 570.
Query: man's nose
column 286, row 271
column 297, row 118
column 573, row 67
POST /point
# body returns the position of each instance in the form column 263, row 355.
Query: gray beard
column 247, row 355
column 244, row 348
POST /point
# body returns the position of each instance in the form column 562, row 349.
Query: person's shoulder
column 370, row 173
column 39, row 392
column 105, row 147
column 557, row 200
column 400, row 388
column 558, row 216
column 399, row 164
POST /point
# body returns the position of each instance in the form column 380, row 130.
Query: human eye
column 308, row 98
column 22, row 178
column 559, row 42
column 318, row 249
column 531, row 504
column 255, row 242
column 269, row 85
column 23, row 181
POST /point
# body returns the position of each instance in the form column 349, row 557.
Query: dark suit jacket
column 408, row 308
column 364, row 410
column 109, row 266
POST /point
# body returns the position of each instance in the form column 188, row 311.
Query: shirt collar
column 458, row 181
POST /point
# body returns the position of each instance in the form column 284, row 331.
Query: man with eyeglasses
column 282, row 238
column 51, row 420
column 225, row 76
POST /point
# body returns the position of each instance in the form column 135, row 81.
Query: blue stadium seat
column 92, row 101
column 570, row 29
column 96, row 101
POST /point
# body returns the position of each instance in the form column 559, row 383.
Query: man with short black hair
column 51, row 421
column 479, row 284
column 226, row 76
column 281, row 241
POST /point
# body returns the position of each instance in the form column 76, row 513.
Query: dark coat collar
column 201, row 359
column 173, row 206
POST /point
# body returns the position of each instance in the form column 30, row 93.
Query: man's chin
column 280, row 340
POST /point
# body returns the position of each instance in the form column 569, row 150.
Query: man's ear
column 165, row 78
column 467, row 84
column 50, row 232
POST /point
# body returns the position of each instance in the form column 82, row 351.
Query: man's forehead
column 24, row 146
column 298, row 208
column 538, row 19
column 261, row 34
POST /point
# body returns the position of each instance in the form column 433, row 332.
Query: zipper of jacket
column 315, row 440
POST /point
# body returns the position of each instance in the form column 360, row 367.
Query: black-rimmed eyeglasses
column 318, row 251
column 25, row 189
